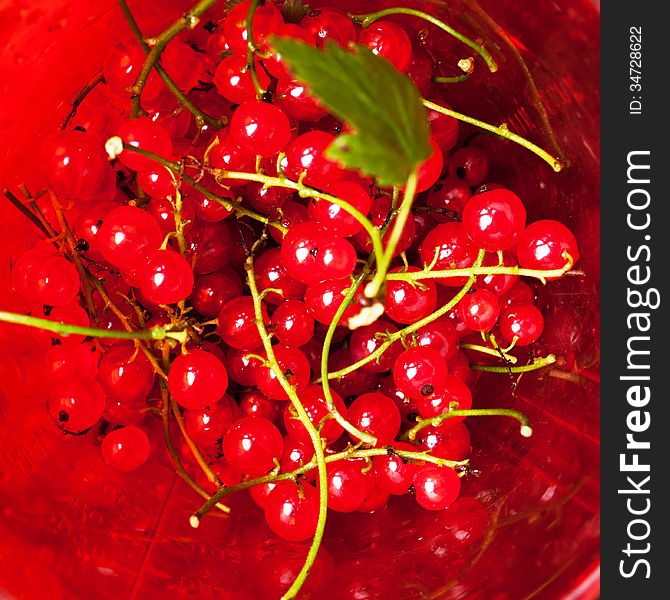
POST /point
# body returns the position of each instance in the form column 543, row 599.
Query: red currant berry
column 291, row 214
column 366, row 340
column 206, row 426
column 435, row 488
column 125, row 374
column 390, row 41
column 495, row 219
column 63, row 362
column 146, row 135
column 212, row 291
column 338, row 221
column 315, row 406
column 306, row 156
column 324, row 298
column 261, row 128
column 126, row 449
column 454, row 392
column 252, row 445
column 162, row 210
column 182, row 64
column 501, row 283
column 420, row 371
column 122, row 66
column 292, row 511
column 393, row 473
column 275, row 63
column 167, row 278
column 420, row 71
column 479, row 310
column 55, row 282
column 197, row 379
column 346, row 485
column 293, row 325
column 294, row 98
column 208, row 209
column 379, row 215
column 128, row 236
column 76, row 404
column 447, row 199
column 431, row 169
column 353, row 384
column 469, row 164
column 271, row 274
column 450, row 440
column 266, row 21
column 449, row 246
column 237, row 324
column 522, row 323
column 296, row 454
column 376, row 414
column 212, row 245
column 242, row 367
column 330, row 24
column 542, row 245
column 440, row 335
column 256, row 404
column 295, row 367
column 520, row 292
column 233, row 80
column 409, row 302
column 227, row 155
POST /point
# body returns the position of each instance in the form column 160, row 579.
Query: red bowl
column 72, row 528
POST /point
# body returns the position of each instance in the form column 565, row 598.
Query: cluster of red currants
column 166, row 249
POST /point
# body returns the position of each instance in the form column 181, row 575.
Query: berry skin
column 444, row 129
column 454, row 251
column 431, row 169
column 122, row 65
column 76, row 404
column 126, row 449
column 407, row 303
column 167, row 278
column 376, row 414
column 306, row 154
column 450, row 440
column 275, row 63
column 523, row 322
column 346, row 485
column 390, row 41
column 271, row 274
column 498, row 284
column 252, row 444
column 74, row 163
column 128, row 236
column 420, row 71
column 354, row 384
column 494, row 219
column 542, row 244
column 206, row 209
column 261, row 128
column 241, row 367
column 294, row 98
column 325, row 297
column 420, row 371
column 197, row 379
column 469, row 164
column 394, row 474
column 294, row 366
column 212, row 291
column 51, row 280
column 229, row 156
column 448, row 199
column 256, row 404
column 237, row 324
column 330, row 24
column 365, row 340
column 63, row 362
column 146, row 135
column 439, row 402
column 435, row 488
column 212, row 245
column 293, row 325
column 206, row 426
column 267, row 20
column 378, row 215
column 233, row 81
column 440, row 335
column 480, row 310
column 338, row 221
column 292, row 511
column 310, row 253
column 296, row 454
column 314, row 403
column 125, row 374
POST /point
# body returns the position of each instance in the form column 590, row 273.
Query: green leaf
column 294, row 11
column 390, row 135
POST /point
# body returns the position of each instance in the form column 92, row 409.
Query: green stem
column 307, row 424
column 495, row 270
column 489, row 351
column 502, row 131
column 538, row 363
column 293, row 475
column 25, row 211
column 183, row 22
column 526, row 430
column 457, row 79
column 251, row 49
column 176, row 168
column 414, row 327
column 81, row 96
column 369, row 19
column 156, row 333
column 325, row 354
column 384, row 259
